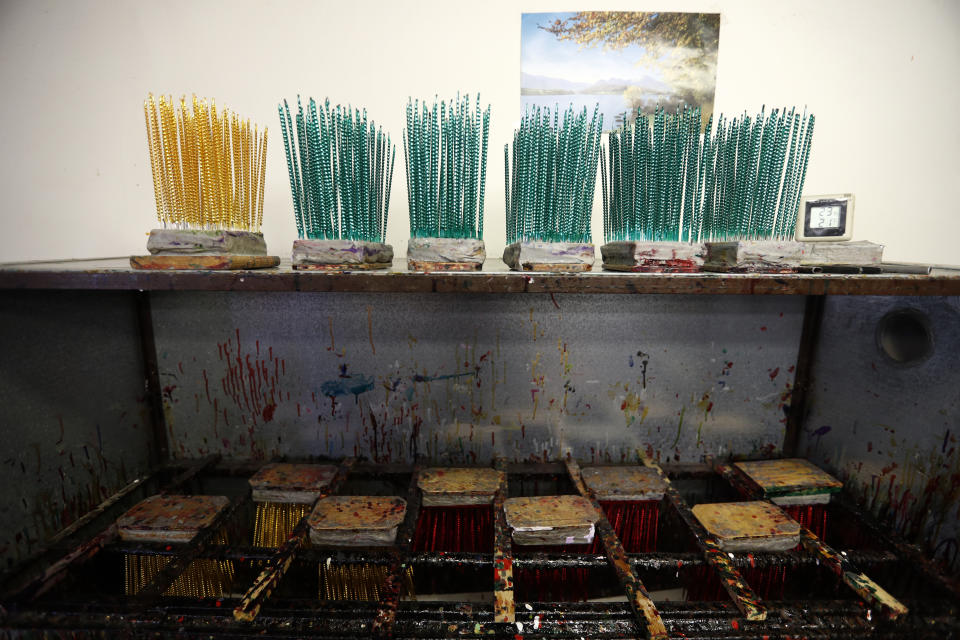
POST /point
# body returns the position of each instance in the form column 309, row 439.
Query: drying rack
column 72, row 585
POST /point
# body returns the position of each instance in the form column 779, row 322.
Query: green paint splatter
column 683, row 410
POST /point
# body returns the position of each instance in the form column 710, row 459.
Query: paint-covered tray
column 165, row 518
column 622, row 483
column 749, row 526
column 550, row 520
column 356, row 521
column 452, row 486
column 791, row 481
column 291, row 483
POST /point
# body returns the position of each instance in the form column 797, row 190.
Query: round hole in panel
column 904, row 336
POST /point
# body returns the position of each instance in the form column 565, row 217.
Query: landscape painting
column 621, row 60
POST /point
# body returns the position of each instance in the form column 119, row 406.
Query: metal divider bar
column 643, row 607
column 387, row 612
column 277, row 567
column 743, row 596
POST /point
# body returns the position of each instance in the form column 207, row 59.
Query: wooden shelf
column 116, row 274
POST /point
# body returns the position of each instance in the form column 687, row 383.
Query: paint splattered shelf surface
column 116, row 274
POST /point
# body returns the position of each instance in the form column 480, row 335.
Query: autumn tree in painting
column 683, row 46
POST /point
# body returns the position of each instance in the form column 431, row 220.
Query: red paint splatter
column 268, row 412
column 775, row 373
column 763, row 328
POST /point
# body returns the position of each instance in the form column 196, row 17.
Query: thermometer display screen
column 826, row 218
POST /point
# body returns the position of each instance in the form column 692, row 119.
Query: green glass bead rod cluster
column 665, row 181
column 340, row 167
column 549, row 195
column 755, row 170
column 654, row 174
column 445, row 151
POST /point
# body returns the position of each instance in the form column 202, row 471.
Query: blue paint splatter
column 631, row 360
column 822, row 431
column 355, row 384
column 419, row 378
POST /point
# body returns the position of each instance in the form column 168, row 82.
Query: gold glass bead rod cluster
column 208, row 166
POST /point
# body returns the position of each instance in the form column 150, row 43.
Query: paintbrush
column 284, row 494
column 176, row 520
column 356, row 521
column 456, row 513
column 551, row 524
column 631, row 498
column 803, row 491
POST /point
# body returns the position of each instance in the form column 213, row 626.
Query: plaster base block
column 754, row 256
column 445, row 254
column 203, row 263
column 205, row 242
column 335, row 255
column 842, row 253
column 653, row 257
column 549, row 256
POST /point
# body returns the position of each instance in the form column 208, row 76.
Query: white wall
column 881, row 77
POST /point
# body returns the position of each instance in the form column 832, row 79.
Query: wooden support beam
column 387, row 612
column 503, row 604
column 640, row 602
column 740, row 592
